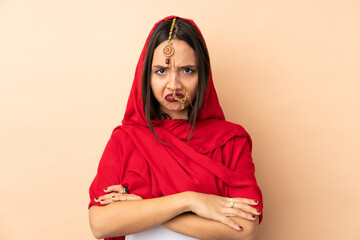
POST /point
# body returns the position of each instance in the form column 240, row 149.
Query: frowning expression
column 180, row 75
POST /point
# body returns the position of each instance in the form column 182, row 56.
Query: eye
column 160, row 71
column 188, row 71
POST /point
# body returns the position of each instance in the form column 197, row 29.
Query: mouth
column 170, row 97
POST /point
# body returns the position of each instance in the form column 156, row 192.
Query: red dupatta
column 217, row 159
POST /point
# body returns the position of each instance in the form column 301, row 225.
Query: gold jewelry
column 190, row 100
column 169, row 50
column 182, row 100
column 231, row 202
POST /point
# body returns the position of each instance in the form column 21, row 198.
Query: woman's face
column 179, row 75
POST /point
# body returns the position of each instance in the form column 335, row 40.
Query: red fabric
column 217, row 159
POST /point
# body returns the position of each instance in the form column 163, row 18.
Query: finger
column 133, row 197
column 233, row 212
column 247, row 208
column 114, row 188
column 114, row 197
column 108, row 198
column 246, row 200
column 227, row 221
column 125, row 197
column 106, row 201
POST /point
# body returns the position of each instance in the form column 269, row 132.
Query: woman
column 189, row 173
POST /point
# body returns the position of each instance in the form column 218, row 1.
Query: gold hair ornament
column 169, row 50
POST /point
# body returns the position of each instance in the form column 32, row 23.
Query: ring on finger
column 231, row 202
column 125, row 190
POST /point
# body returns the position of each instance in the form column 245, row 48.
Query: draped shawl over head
column 217, row 159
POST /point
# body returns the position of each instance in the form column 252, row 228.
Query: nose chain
column 183, row 100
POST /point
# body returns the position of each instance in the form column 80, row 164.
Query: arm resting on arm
column 127, row 217
column 202, row 228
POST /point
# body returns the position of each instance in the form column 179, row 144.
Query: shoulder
column 117, row 133
column 239, row 134
column 221, row 126
column 118, row 138
column 124, row 134
column 237, row 128
column 217, row 133
column 122, row 131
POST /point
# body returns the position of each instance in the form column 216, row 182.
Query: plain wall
column 288, row 71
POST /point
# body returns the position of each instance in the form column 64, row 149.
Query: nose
column 174, row 82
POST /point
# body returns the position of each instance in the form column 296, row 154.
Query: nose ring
column 182, row 100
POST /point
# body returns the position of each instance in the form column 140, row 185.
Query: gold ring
column 231, row 202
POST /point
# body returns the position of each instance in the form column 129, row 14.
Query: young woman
column 175, row 169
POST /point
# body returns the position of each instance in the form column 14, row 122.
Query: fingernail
column 258, row 211
column 97, row 199
column 112, row 196
column 102, row 200
column 240, row 228
column 256, row 201
column 105, row 189
column 253, row 216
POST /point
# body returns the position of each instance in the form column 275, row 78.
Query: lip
column 170, row 97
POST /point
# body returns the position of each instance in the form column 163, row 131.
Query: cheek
column 156, row 87
column 194, row 88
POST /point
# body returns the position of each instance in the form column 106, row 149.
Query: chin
column 175, row 109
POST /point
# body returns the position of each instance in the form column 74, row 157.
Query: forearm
column 197, row 227
column 127, row 217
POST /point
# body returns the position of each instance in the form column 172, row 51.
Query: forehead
column 183, row 54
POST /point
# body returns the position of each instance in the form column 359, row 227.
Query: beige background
column 288, row 71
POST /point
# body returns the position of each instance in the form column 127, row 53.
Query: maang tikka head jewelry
column 169, row 50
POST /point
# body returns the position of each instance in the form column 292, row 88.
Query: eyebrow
column 186, row 66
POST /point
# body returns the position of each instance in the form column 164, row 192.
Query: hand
column 219, row 208
column 115, row 193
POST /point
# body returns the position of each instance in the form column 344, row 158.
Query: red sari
column 217, row 159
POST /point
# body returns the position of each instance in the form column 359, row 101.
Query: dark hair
column 186, row 31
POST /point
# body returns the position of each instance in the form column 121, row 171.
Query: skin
column 202, row 216
column 212, row 216
column 179, row 75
